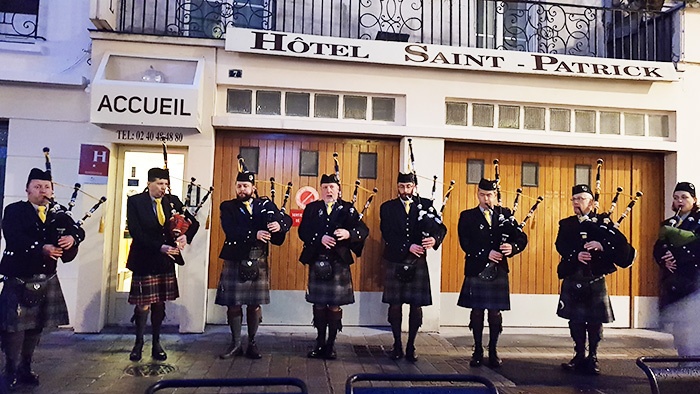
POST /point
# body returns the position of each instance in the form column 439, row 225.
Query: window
column 483, row 115
column 383, row 109
column 658, row 125
column 609, row 122
column 456, row 114
column 585, row 121
column 296, row 104
column 239, row 101
column 560, row 119
column 509, row 116
column 531, row 174
column 267, row 102
column 326, row 106
column 355, row 107
column 251, row 14
column 367, row 168
column 251, row 156
column 534, row 118
column 19, row 18
column 475, row 171
column 308, row 163
column 582, row 174
column 634, row 124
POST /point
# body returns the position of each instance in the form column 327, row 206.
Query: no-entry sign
column 305, row 195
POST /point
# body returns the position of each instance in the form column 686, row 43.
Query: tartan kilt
column 231, row 291
column 149, row 289
column 482, row 294
column 15, row 317
column 596, row 309
column 334, row 291
column 416, row 292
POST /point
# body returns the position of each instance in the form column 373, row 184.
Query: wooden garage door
column 279, row 157
column 534, row 271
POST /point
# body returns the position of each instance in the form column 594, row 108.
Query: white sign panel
column 442, row 56
column 133, row 103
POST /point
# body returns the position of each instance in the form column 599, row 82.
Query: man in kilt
column 249, row 224
column 587, row 254
column 409, row 228
column 330, row 229
column 482, row 244
column 153, row 255
column 29, row 261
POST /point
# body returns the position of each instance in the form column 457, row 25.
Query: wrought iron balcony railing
column 19, row 20
column 624, row 31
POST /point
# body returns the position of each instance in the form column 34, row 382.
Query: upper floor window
column 18, row 19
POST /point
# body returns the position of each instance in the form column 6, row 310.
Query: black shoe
column 158, row 353
column 232, row 351
column 411, row 354
column 576, row 364
column 494, row 360
column 136, row 352
column 396, row 352
column 316, row 352
column 477, row 358
column 25, row 375
column 329, row 352
column 592, row 365
column 252, row 351
column 10, row 380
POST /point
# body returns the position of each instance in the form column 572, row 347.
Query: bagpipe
column 179, row 222
column 429, row 219
column 272, row 215
column 601, row 227
column 61, row 222
column 356, row 247
column 506, row 228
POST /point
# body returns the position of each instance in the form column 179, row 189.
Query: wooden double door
column 534, row 270
column 279, row 156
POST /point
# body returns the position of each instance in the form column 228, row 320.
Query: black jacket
column 148, row 235
column 25, row 236
column 570, row 242
column 477, row 239
column 400, row 230
column 315, row 223
column 241, row 228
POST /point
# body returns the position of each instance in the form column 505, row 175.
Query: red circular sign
column 305, row 195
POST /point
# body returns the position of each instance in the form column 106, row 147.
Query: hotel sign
column 442, row 56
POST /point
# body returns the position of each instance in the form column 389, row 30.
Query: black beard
column 405, row 197
column 243, row 197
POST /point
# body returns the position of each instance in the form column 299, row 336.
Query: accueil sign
column 134, row 103
column 442, row 56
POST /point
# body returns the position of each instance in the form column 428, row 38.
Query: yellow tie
column 248, row 207
column 407, row 205
column 41, row 210
column 329, row 208
column 159, row 212
column 487, row 215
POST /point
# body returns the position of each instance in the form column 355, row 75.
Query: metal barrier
column 483, row 385
column 263, row 383
column 669, row 375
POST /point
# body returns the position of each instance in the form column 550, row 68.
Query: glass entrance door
column 134, row 164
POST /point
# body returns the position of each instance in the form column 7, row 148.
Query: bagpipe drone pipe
column 601, row 227
column 61, row 222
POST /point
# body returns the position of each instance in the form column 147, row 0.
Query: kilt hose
column 482, row 294
column 334, row 291
column 231, row 291
column 595, row 308
column 51, row 313
column 149, row 289
column 416, row 292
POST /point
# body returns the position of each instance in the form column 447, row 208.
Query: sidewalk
column 96, row 363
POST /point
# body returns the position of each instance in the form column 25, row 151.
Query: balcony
column 624, row 31
column 19, row 20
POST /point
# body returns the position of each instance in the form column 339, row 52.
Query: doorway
column 132, row 178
